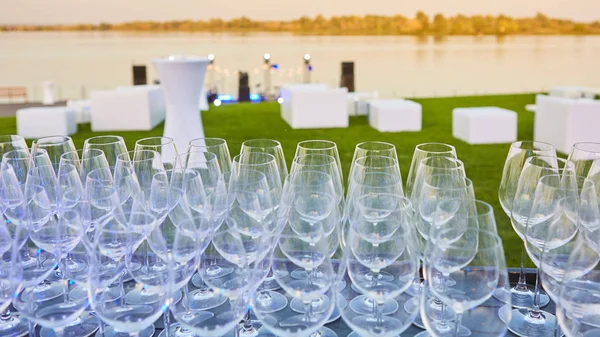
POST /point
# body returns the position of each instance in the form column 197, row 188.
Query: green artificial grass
column 483, row 163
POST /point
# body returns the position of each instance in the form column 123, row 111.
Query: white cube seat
column 358, row 102
column 82, row 109
column 562, row 122
column 395, row 115
column 484, row 125
column 313, row 106
column 127, row 108
column 41, row 122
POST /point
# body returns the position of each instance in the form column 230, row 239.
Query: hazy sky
column 93, row 11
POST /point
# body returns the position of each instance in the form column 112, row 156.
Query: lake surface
column 394, row 66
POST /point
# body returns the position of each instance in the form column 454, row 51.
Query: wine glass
column 455, row 192
column 165, row 146
column 12, row 142
column 579, row 295
column 513, row 166
column 474, row 259
column 55, row 147
column 551, row 207
column 207, row 166
column 582, row 156
column 320, row 147
column 112, row 146
column 11, row 275
column 271, row 147
column 308, row 215
column 40, row 244
column 422, row 151
column 86, row 161
column 63, row 317
column 435, row 165
column 376, row 311
column 323, row 163
column 217, row 146
column 372, row 148
column 114, row 250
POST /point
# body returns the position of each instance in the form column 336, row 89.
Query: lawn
column 483, row 163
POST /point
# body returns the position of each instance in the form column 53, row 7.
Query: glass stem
column 247, row 327
column 535, row 311
column 146, row 255
column 522, row 283
column 122, row 290
column 167, row 322
column 379, row 313
column 443, row 324
column 458, row 322
column 66, row 285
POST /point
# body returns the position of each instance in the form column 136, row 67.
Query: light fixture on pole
column 267, row 73
column 307, row 68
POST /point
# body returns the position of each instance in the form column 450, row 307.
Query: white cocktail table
column 182, row 79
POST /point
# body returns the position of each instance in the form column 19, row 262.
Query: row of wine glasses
column 106, row 241
column 553, row 206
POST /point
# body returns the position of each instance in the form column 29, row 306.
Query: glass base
column 175, row 330
column 385, row 324
column 362, row 305
column 523, row 299
column 204, row 301
column 14, row 327
column 84, row 326
column 141, row 296
column 318, row 306
column 411, row 306
column 525, row 325
column 269, row 302
column 340, row 286
column 270, row 284
column 326, row 332
column 341, row 304
column 43, row 292
column 79, row 293
column 109, row 331
column 354, row 334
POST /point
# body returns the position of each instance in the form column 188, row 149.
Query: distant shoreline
column 369, row 25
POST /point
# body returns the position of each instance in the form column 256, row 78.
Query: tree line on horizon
column 420, row 24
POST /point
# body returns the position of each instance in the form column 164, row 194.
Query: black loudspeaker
column 139, row 75
column 244, row 87
column 347, row 80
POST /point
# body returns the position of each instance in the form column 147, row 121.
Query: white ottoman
column 395, row 115
column 314, row 106
column 46, row 121
column 484, row 125
column 358, row 102
column 82, row 109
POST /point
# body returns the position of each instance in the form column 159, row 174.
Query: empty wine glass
column 320, row 147
column 513, row 166
column 579, row 295
column 55, row 147
column 372, row 148
column 217, row 146
column 63, row 317
column 113, row 251
column 11, row 276
column 12, row 142
column 435, row 165
column 551, row 203
column 165, row 146
column 366, row 168
column 271, row 147
column 474, row 259
column 423, row 151
column 377, row 310
column 112, row 146
column 582, row 156
column 308, row 213
column 86, row 161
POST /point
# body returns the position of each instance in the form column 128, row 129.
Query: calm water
column 394, row 66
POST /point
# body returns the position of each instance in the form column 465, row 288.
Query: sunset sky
column 94, row 11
